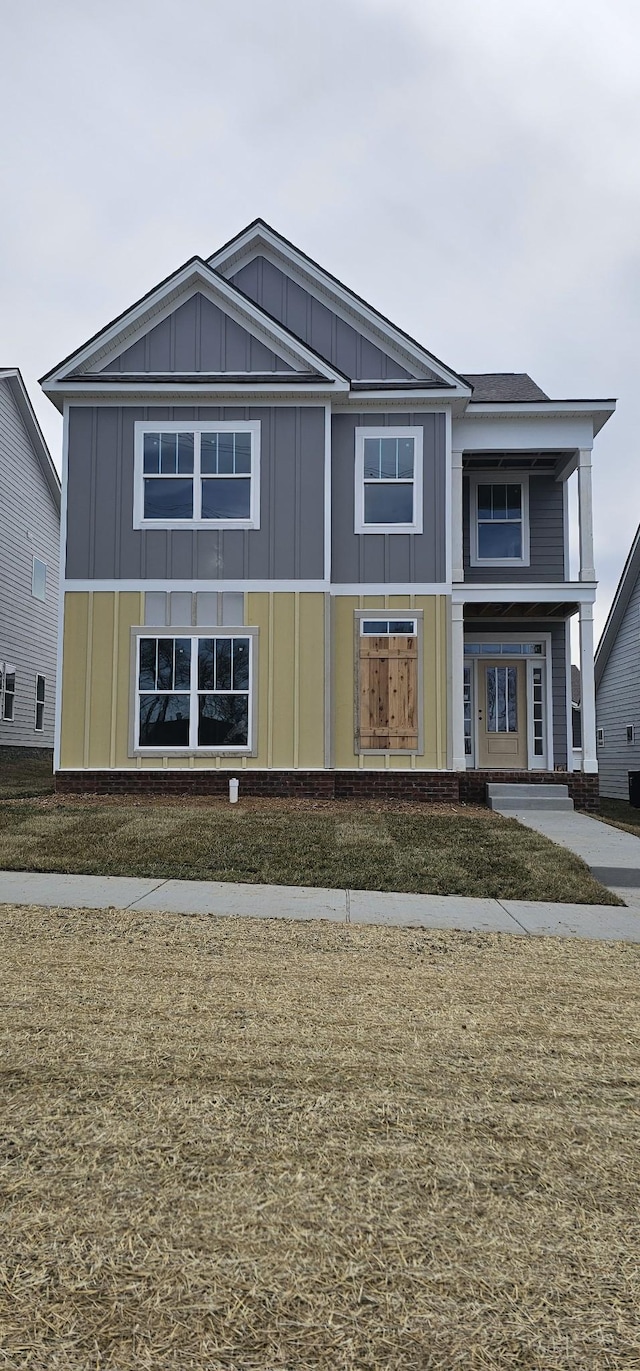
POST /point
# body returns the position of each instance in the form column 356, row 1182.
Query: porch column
column 458, row 760
column 588, row 690
column 585, row 515
column 457, row 568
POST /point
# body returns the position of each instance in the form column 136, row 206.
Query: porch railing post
column 587, row 690
column 459, row 761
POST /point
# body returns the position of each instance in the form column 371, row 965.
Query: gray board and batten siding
column 388, row 557
column 618, row 704
column 103, row 544
column 499, row 628
column 197, row 337
column 546, row 527
column 29, row 527
column 317, row 325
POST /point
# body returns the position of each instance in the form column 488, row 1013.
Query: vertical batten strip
column 296, row 678
column 270, row 683
column 87, row 684
column 114, row 679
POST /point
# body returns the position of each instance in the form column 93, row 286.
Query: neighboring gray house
column 29, row 572
column 617, row 667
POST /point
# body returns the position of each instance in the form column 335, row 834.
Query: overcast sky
column 471, row 169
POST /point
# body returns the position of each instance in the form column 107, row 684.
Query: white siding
column 618, row 704
column 29, row 527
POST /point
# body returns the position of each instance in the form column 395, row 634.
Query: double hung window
column 7, row 691
column 194, row 693
column 203, row 474
column 499, row 523
column 40, row 690
column 388, row 480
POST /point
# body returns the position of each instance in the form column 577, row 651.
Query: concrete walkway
column 612, row 855
column 306, row 902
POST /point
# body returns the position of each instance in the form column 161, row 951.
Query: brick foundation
column 583, row 787
column 425, row 786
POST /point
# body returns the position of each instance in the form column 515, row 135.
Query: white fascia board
column 84, row 392
column 558, row 423
column 574, row 592
column 35, row 435
column 195, row 277
column 394, row 399
column 260, row 242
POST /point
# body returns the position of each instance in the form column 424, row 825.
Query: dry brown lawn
column 229, row 1145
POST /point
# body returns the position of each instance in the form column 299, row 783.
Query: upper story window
column 388, row 480
column 499, row 522
column 197, row 474
column 39, row 579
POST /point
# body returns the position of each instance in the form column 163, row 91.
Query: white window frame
column 415, row 526
column 192, row 747
column 630, row 730
column 501, row 478
column 7, row 668
column 40, row 677
column 40, row 562
column 599, row 737
column 197, row 428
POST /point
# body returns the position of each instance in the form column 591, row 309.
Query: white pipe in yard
column 233, row 791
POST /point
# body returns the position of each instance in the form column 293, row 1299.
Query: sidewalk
column 306, row 902
column 612, row 855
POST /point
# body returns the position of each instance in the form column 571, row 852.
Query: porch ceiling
column 520, row 609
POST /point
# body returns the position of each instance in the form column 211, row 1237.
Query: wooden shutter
column 388, row 692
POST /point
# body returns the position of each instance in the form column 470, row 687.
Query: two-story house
column 29, row 575
column 302, row 550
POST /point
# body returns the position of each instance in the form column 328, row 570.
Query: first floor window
column 7, row 690
column 194, row 692
column 388, row 495
column 205, row 474
column 40, row 689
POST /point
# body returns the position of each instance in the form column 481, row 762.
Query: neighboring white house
column 29, row 572
column 617, row 669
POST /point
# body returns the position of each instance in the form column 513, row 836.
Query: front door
column 502, row 714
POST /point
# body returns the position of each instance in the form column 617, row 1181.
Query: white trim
column 458, row 758
column 587, row 690
column 586, row 570
column 481, row 478
column 195, row 277
column 194, row 635
column 61, row 586
column 260, row 240
column 415, row 526
column 354, row 588
column 569, row 696
column 525, row 592
column 566, row 541
column 197, row 427
column 327, row 492
column 448, row 496
column 455, row 518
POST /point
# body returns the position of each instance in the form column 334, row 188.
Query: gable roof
column 503, row 386
column 194, row 276
column 259, row 238
column 621, row 599
column 13, row 379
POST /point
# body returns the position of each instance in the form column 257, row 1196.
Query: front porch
column 511, row 699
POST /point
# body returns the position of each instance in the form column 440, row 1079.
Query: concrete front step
column 507, row 798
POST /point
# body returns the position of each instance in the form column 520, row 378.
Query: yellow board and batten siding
column 96, row 682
